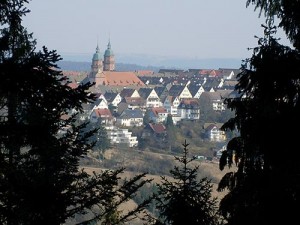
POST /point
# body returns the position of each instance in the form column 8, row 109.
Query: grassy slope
column 154, row 164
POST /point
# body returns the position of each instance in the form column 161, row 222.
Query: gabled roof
column 210, row 126
column 160, row 90
column 103, row 113
column 110, row 96
column 170, row 98
column 211, row 83
column 194, row 89
column 98, row 94
column 176, row 90
column 210, row 72
column 234, row 94
column 145, row 92
column 223, row 93
column 204, row 71
column 144, row 72
column 129, row 113
column 227, row 71
column 138, row 101
column 218, row 95
column 189, row 104
column 115, row 78
column 195, row 71
column 215, row 73
column 157, row 128
column 99, row 101
column 158, row 110
column 213, row 96
column 230, row 84
column 127, row 92
column 176, row 71
column 121, row 107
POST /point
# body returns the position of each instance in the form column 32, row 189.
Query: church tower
column 97, row 64
column 109, row 59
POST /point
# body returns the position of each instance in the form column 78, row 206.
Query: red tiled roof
column 113, row 78
column 103, row 113
column 144, row 72
column 211, row 73
column 215, row 73
column 158, row 110
column 204, row 72
column 157, row 128
column 190, row 101
column 134, row 100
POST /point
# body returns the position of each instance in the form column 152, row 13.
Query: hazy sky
column 179, row 28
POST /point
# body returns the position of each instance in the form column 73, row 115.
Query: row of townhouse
column 177, row 101
column 181, row 101
column 132, row 115
column 171, row 95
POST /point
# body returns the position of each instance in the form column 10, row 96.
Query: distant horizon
column 161, row 31
column 162, row 61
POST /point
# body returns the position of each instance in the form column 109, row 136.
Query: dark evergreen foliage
column 288, row 12
column 40, row 142
column 186, row 200
column 169, row 122
column 265, row 189
column 100, row 138
column 146, row 118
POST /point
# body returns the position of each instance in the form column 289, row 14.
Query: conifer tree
column 146, row 118
column 169, row 122
column 265, row 188
column 286, row 11
column 186, row 200
column 40, row 143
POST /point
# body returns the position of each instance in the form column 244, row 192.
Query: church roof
column 114, row 78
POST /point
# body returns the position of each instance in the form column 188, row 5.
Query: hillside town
column 125, row 99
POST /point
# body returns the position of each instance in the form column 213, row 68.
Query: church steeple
column 108, row 45
column 97, row 64
column 109, row 58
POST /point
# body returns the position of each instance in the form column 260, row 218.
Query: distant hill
column 85, row 66
column 132, row 62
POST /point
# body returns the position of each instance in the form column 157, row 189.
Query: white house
column 189, row 109
column 100, row 104
column 171, row 104
column 217, row 99
column 113, row 98
column 121, row 136
column 129, row 92
column 214, row 133
column 180, row 91
column 158, row 114
column 150, row 96
column 130, row 118
column 104, row 115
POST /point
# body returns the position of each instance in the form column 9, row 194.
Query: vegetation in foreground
column 40, row 180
